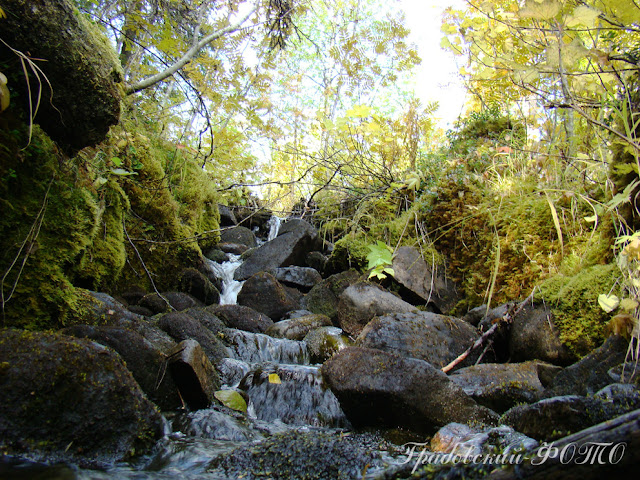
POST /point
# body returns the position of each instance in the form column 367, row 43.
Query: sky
column 437, row 77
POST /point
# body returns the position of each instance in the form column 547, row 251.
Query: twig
column 506, row 319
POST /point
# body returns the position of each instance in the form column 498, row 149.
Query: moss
column 574, row 302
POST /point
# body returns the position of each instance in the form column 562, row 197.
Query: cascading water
column 224, row 271
column 274, row 227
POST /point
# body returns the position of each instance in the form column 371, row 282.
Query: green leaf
column 231, row 399
column 117, row 161
column 591, row 218
column 608, row 303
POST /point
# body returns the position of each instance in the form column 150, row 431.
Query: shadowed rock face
column 65, row 398
column 80, row 65
column 377, row 388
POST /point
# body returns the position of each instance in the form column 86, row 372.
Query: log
column 82, row 91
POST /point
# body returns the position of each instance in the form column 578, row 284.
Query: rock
column 290, row 247
column 626, row 372
column 589, row 375
column 257, row 347
column 182, row 326
column 233, row 248
column 434, row 338
column 198, row 286
column 324, row 297
column 325, row 342
column 146, row 362
column 264, row 293
column 227, row 217
column 98, row 308
column 218, row 424
column 297, row 328
column 138, row 310
column 239, row 235
column 316, row 260
column 70, row 399
column 620, row 393
column 133, row 294
column 425, row 281
column 178, row 301
column 360, row 302
column 193, row 373
column 556, row 417
column 303, row 278
column 534, row 337
column 502, row 386
column 463, row 440
column 217, row 255
column 296, row 314
column 207, row 318
column 83, row 75
column 254, row 219
column 242, row 317
column 377, row 388
column 311, row 455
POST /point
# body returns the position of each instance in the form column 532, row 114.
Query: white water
column 274, row 227
column 224, row 271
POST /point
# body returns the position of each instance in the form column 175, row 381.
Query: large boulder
column 193, row 373
column 425, row 282
column 239, row 235
column 146, row 362
column 303, row 278
column 161, row 303
column 198, row 286
column 227, row 217
column 360, row 302
column 437, row 339
column 378, row 388
column 263, row 293
column 500, row 386
column 65, row 398
column 295, row 240
column 79, row 70
column 325, row 296
column 297, row 328
column 325, row 342
column 241, row 317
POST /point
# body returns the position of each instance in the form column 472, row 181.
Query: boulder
column 97, row 308
column 360, row 302
column 533, row 336
column 324, row 297
column 146, row 362
column 217, row 255
column 227, row 217
column 207, row 318
column 239, row 235
column 590, row 374
column 178, row 301
column 303, row 278
column 316, row 260
column 198, row 286
column 431, row 337
column 242, row 317
column 297, row 328
column 463, row 440
column 233, row 248
column 70, row 399
column 325, row 342
column 426, row 283
column 382, row 389
column 182, row 326
column 256, row 220
column 262, row 292
column 290, row 247
column 217, row 423
column 502, row 386
column 193, row 373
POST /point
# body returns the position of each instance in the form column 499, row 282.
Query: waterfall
column 224, row 271
column 274, row 227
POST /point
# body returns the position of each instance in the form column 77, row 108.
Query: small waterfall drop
column 224, row 271
column 274, row 227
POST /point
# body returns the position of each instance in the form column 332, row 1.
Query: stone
column 533, row 336
column 193, row 373
column 360, row 302
column 297, row 328
column 70, row 399
column 303, row 278
column 325, row 342
column 182, row 326
column 242, row 317
column 263, row 293
column 316, row 260
column 290, row 247
column 324, row 296
column 218, row 424
column 146, row 362
column 463, row 440
column 198, row 286
column 177, row 300
column 434, row 338
column 425, row 281
column 233, row 248
column 239, row 235
column 227, row 217
column 382, row 389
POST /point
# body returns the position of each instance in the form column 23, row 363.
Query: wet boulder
column 193, row 374
column 146, row 362
column 425, row 283
column 325, row 342
column 257, row 347
column 325, row 296
column 303, row 278
column 70, row 399
column 462, row 439
column 227, row 217
column 198, row 286
column 242, row 317
column 262, row 292
column 295, row 240
column 434, row 338
column 182, row 326
column 97, row 308
column 297, row 328
column 360, row 302
column 501, row 386
column 239, row 235
column 217, row 423
column 382, row 389
column 161, row 303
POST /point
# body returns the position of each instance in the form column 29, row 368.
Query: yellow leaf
column 274, row 378
column 583, row 15
column 540, row 10
column 608, row 303
column 628, row 304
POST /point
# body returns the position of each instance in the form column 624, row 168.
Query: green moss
column 574, row 302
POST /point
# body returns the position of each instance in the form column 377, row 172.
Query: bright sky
column 436, row 78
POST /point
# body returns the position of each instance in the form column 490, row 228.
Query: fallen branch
column 506, row 319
